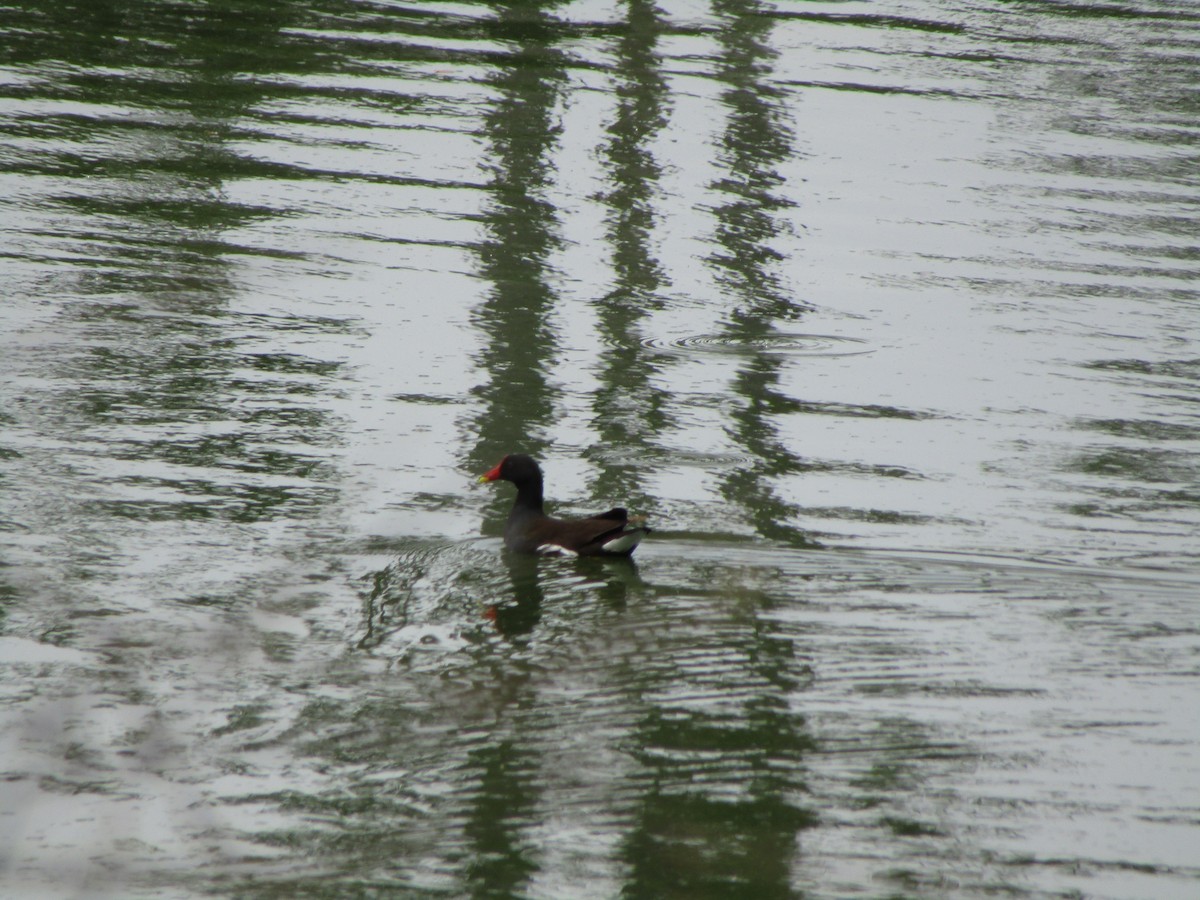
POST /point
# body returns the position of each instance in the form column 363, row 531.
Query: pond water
column 887, row 314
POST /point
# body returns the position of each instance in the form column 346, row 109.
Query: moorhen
column 530, row 530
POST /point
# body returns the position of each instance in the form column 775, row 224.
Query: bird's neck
column 529, row 495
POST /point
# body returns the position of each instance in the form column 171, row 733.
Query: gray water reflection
column 885, row 313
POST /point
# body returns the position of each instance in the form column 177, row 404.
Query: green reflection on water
column 519, row 344
column 756, row 140
column 143, row 101
column 629, row 411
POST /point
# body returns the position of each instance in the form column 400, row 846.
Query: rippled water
column 885, row 313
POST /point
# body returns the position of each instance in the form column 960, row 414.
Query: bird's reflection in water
column 610, row 580
column 521, row 612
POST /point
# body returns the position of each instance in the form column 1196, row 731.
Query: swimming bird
column 530, row 530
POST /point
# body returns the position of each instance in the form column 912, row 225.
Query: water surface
column 885, row 313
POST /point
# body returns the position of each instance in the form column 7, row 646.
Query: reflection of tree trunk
column 503, row 797
column 519, row 349
column 722, row 756
column 519, row 345
column 718, row 816
column 629, row 412
column 756, row 140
